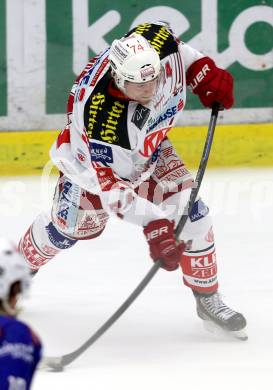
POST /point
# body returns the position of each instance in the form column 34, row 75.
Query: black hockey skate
column 216, row 314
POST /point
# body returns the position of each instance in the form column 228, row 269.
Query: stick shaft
column 200, row 172
column 66, row 359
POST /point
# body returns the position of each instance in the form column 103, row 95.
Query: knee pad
column 76, row 213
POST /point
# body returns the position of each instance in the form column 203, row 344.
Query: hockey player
column 20, row 348
column 115, row 157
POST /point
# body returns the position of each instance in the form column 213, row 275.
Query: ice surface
column 159, row 343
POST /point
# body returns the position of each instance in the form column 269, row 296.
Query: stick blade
column 51, row 364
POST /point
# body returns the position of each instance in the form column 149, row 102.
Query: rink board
column 23, row 153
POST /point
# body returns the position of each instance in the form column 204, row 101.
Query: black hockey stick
column 58, row 363
column 201, row 170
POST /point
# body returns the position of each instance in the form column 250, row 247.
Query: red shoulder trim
column 63, row 138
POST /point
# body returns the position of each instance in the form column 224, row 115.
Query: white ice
column 159, row 343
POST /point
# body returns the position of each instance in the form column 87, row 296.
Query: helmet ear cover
column 14, row 272
column 133, row 59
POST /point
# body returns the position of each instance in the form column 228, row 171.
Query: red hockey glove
column 210, row 83
column 160, row 237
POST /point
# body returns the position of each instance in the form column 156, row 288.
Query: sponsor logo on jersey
column 18, row 351
column 169, row 113
column 86, row 76
column 99, row 71
column 140, row 116
column 101, row 153
column 81, row 88
column 96, row 105
column 159, row 37
column 81, row 156
column 81, row 94
column 170, row 170
column 109, row 132
column 152, row 141
column 141, row 28
column 92, row 224
column 105, row 116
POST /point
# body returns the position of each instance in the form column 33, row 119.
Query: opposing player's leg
column 76, row 215
column 170, row 188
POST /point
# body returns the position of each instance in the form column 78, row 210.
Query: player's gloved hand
column 160, row 237
column 210, row 83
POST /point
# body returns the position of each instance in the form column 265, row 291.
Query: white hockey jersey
column 112, row 143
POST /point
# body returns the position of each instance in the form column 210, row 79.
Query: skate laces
column 217, row 307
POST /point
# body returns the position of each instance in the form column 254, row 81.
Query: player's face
column 13, row 301
column 141, row 92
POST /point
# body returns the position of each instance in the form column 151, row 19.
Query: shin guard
column 199, row 264
column 200, row 270
column 42, row 242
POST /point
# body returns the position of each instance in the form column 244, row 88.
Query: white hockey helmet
column 13, row 268
column 133, row 59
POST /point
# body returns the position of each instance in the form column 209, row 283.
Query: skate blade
column 218, row 331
